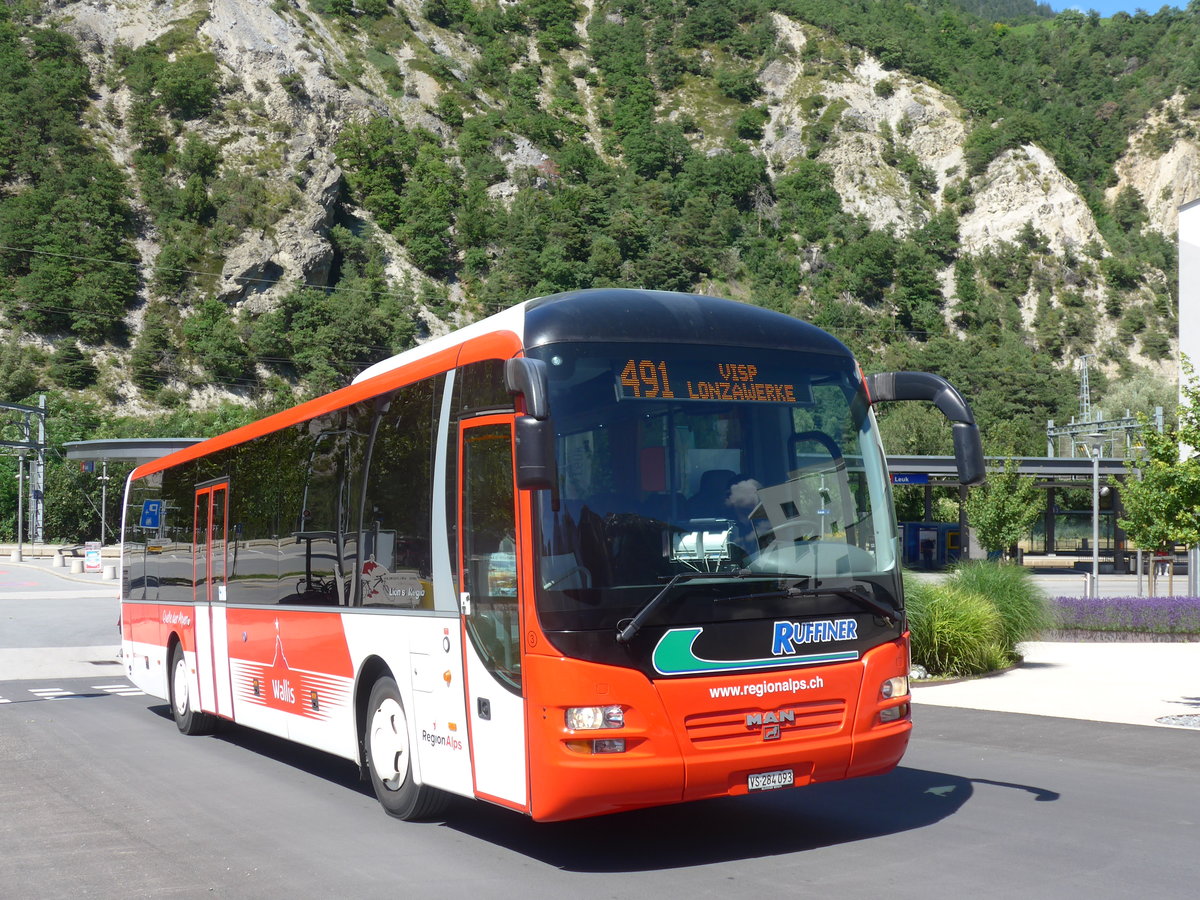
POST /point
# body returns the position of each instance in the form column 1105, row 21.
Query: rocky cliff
column 292, row 76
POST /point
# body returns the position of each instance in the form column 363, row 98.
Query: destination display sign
column 706, row 380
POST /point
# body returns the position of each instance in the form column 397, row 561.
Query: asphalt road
column 40, row 608
column 102, row 797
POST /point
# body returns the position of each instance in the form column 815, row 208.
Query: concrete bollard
column 109, row 573
column 77, row 567
column 60, row 561
column 15, row 556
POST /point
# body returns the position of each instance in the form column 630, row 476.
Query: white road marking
column 54, row 693
column 51, row 693
column 123, row 690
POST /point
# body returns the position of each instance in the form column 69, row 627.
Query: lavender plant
column 1149, row 615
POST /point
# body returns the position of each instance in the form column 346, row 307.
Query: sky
column 1107, row 7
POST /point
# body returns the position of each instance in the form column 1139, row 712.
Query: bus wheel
column 389, row 757
column 187, row 718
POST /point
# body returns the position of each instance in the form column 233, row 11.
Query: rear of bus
column 718, row 602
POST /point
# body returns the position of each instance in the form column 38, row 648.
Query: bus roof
column 614, row 315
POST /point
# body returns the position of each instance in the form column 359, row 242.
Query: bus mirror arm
column 968, row 453
column 968, row 448
column 527, row 377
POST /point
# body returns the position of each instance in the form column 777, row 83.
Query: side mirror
column 534, row 451
column 968, row 448
column 533, row 432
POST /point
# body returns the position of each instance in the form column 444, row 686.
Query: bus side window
column 313, row 556
column 396, row 568
column 254, row 521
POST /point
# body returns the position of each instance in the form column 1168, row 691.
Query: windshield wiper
column 627, row 631
column 854, row 595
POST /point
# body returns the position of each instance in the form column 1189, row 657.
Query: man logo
column 770, row 722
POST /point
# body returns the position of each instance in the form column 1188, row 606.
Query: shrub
column 955, row 631
column 189, row 85
column 750, row 123
column 1023, row 609
column 738, row 84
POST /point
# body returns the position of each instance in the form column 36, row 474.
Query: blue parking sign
column 151, row 513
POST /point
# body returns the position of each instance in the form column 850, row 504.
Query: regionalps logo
column 433, row 739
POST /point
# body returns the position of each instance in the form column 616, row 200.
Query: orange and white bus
column 604, row 550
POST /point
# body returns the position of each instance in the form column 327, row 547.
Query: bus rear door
column 209, row 567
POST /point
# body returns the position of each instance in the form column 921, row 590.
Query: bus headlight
column 894, row 687
column 590, row 718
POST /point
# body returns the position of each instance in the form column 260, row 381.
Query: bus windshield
column 681, row 459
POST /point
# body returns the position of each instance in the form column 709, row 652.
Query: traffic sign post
column 151, row 515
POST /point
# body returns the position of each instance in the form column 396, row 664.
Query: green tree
column 70, row 368
column 1002, row 511
column 18, row 373
column 1161, row 494
column 427, row 212
column 188, row 86
column 212, row 338
column 150, row 362
column 807, row 201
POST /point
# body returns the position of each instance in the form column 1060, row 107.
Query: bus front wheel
column 389, row 757
column 188, row 719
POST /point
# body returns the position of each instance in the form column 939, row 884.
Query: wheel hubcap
column 180, row 689
column 389, row 744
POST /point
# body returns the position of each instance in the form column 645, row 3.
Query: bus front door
column 489, row 570
column 209, row 578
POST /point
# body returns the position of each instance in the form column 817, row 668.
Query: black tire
column 388, row 753
column 188, row 719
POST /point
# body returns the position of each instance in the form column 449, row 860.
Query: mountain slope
column 313, row 184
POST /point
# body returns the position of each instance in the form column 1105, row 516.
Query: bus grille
column 737, row 727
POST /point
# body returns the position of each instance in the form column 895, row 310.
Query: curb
column 1084, row 636
column 937, row 682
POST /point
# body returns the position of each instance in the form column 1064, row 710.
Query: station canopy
column 134, row 450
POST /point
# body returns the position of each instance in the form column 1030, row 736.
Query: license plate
column 769, row 781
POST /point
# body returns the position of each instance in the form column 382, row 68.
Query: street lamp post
column 1139, row 454
column 1095, row 442
column 20, row 506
